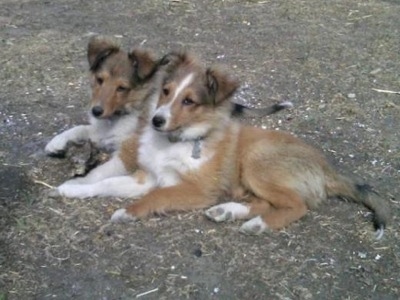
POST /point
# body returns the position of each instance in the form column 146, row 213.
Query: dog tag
column 196, row 152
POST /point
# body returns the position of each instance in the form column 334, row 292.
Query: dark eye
column 99, row 80
column 165, row 91
column 187, row 101
column 122, row 89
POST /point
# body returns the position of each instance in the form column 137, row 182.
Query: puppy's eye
column 165, row 91
column 99, row 80
column 187, row 101
column 122, row 89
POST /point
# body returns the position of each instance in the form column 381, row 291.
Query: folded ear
column 144, row 62
column 220, row 84
column 173, row 59
column 99, row 49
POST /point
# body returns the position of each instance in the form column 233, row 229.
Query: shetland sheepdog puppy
column 123, row 88
column 121, row 82
column 194, row 155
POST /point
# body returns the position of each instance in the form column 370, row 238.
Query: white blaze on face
column 165, row 110
column 184, row 83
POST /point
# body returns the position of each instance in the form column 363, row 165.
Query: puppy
column 119, row 87
column 123, row 86
column 194, row 155
column 120, row 83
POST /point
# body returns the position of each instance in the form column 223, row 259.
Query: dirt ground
column 325, row 56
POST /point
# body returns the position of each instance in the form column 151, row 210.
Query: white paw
column 254, row 226
column 379, row 233
column 121, row 216
column 56, row 146
column 77, row 180
column 80, row 191
column 227, row 212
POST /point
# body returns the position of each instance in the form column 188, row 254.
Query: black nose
column 97, row 111
column 158, row 121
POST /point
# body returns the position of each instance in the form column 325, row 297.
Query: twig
column 386, row 91
column 146, row 293
column 44, row 183
column 56, row 211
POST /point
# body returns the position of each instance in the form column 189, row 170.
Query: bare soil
column 325, row 56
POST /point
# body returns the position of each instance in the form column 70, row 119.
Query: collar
column 197, row 144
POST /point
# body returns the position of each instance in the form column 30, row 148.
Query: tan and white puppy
column 121, row 83
column 195, row 155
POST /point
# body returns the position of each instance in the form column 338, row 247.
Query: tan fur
column 128, row 152
column 276, row 174
column 197, row 190
column 118, row 78
column 121, row 84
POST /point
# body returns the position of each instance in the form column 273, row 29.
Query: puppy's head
column 193, row 99
column 119, row 79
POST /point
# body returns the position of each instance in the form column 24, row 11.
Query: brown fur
column 119, row 80
column 276, row 174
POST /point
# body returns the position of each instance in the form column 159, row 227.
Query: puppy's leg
column 228, row 211
column 112, row 168
column 286, row 206
column 183, row 196
column 231, row 211
column 120, row 186
column 57, row 146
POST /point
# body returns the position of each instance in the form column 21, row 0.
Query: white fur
column 379, row 233
column 110, row 178
column 118, row 186
column 195, row 131
column 106, row 133
column 288, row 104
column 254, row 226
column 59, row 143
column 165, row 160
column 120, row 215
column 110, row 134
column 228, row 212
column 182, row 85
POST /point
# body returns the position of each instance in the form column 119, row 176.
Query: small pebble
column 362, row 254
column 351, row 95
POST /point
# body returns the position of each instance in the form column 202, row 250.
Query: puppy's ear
column 171, row 60
column 99, row 49
column 173, row 57
column 220, row 84
column 144, row 62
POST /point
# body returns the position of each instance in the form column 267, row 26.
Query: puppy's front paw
column 80, row 191
column 227, row 212
column 57, row 146
column 122, row 216
column 254, row 226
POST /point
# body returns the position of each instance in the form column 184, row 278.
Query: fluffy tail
column 241, row 110
column 362, row 193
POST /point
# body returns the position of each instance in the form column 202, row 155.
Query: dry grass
column 325, row 57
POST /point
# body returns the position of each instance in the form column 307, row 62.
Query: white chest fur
column 109, row 134
column 167, row 161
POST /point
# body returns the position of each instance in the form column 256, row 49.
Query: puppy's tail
column 346, row 188
column 244, row 111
